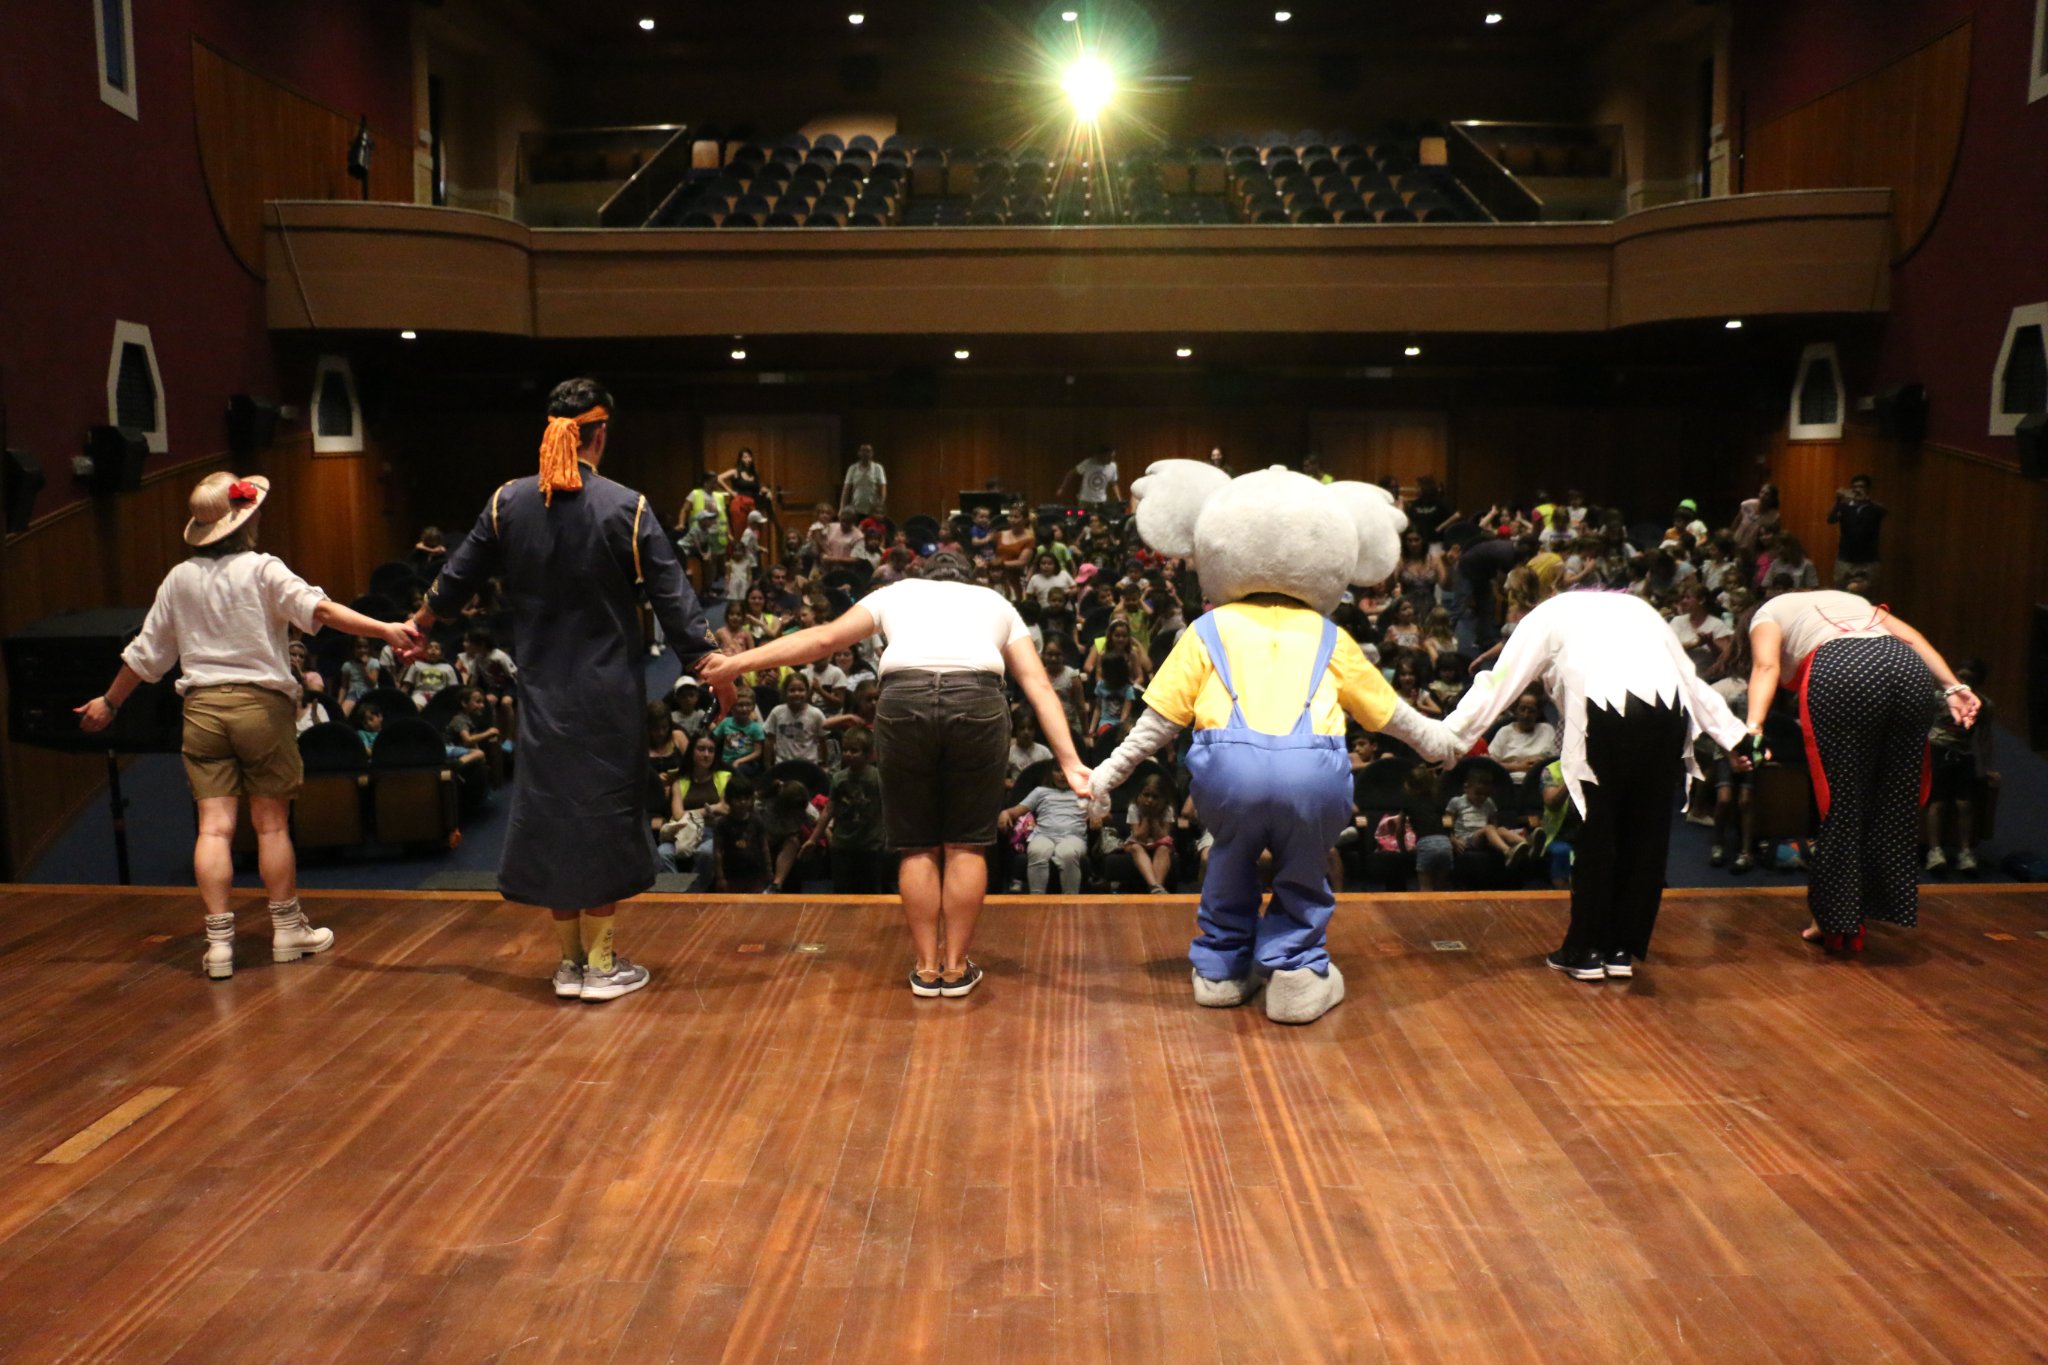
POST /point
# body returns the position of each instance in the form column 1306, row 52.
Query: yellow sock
column 597, row 942
column 570, row 935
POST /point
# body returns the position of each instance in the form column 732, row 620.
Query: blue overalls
column 1290, row 794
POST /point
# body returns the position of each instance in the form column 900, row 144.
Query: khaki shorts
column 241, row 740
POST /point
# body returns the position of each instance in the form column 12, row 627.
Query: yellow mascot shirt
column 1271, row 643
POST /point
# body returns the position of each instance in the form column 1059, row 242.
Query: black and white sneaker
column 1618, row 963
column 965, row 982
column 926, row 987
column 1585, row 966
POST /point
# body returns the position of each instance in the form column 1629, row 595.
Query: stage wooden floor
column 408, row 1149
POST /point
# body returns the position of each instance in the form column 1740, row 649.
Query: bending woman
column 1869, row 686
column 943, row 735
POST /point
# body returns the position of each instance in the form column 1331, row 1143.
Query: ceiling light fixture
column 1733, row 324
column 738, row 354
column 962, row 354
column 408, row 335
column 1184, row 351
column 856, row 19
column 1089, row 84
column 647, row 26
column 1281, row 16
column 1495, row 17
column 1068, row 16
column 1411, row 351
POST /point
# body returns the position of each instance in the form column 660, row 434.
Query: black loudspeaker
column 2032, row 437
column 252, row 423
column 1902, row 413
column 2037, row 679
column 21, row 479
column 117, row 454
column 66, row 661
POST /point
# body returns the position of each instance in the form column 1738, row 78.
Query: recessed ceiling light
column 1281, row 16
column 1184, row 351
column 856, row 19
column 738, row 354
column 1068, row 16
column 961, row 354
column 1411, row 351
column 1494, row 17
column 408, row 335
column 647, row 26
column 1733, row 324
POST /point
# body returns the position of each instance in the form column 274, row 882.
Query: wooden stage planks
column 408, row 1149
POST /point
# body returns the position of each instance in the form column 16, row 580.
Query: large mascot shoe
column 1223, row 995
column 1302, row 997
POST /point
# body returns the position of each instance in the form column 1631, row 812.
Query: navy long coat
column 573, row 572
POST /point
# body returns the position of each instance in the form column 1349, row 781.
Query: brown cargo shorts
column 241, row 740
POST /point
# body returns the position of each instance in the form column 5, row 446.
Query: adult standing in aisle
column 1861, row 518
column 865, row 489
column 1095, row 480
column 1869, row 688
column 575, row 550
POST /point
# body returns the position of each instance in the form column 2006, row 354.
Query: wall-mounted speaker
column 2032, row 437
column 21, row 479
column 252, row 423
column 117, row 454
column 1902, row 413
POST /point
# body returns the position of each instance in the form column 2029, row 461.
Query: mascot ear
column 1168, row 499
column 1380, row 524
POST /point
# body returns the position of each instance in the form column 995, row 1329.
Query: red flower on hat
column 241, row 491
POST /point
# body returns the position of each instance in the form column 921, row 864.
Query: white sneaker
column 1966, row 861
column 1936, row 859
column 1301, row 996
column 624, row 977
column 569, row 980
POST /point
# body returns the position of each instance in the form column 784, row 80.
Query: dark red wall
column 107, row 217
column 1952, row 297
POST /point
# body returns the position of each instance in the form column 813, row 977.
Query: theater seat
column 329, row 812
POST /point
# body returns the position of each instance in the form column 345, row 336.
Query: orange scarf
column 558, row 467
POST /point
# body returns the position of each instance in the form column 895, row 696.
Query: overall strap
column 1212, row 640
column 1305, row 723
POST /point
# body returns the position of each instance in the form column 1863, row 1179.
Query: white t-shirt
column 796, row 737
column 1096, row 477
column 1041, row 585
column 1811, row 619
column 864, row 486
column 224, row 620
column 1701, row 642
column 944, row 626
column 1510, row 742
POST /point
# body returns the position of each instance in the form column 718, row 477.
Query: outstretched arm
column 1431, row 739
column 1149, row 734
column 1028, row 673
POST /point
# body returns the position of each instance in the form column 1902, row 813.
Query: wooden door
column 1369, row 445
column 798, row 453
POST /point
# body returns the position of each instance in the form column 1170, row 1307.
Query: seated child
column 1059, row 834
column 853, row 819
column 1473, row 820
column 1148, row 834
column 740, row 846
column 428, row 675
column 740, row 736
column 787, row 822
column 795, row 730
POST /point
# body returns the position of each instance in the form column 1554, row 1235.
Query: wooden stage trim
column 408, row 1149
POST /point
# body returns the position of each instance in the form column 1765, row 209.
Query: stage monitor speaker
column 252, row 423
column 117, row 454
column 21, row 479
column 2037, row 679
column 65, row 661
column 1902, row 413
column 2032, row 437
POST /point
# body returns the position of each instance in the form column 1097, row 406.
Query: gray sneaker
column 569, row 980
column 622, row 978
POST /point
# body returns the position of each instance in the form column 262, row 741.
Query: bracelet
column 1954, row 688
column 109, row 702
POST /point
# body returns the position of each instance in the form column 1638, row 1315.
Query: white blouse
column 224, row 620
column 1594, row 646
column 944, row 626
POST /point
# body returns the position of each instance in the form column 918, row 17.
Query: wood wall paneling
column 260, row 140
column 1901, row 127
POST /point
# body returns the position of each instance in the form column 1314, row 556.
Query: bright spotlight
column 1089, row 83
column 738, row 354
column 961, row 354
column 647, row 26
column 1184, row 351
column 1068, row 16
column 408, row 335
column 1411, row 351
column 1281, row 16
column 1494, row 17
column 856, row 19
column 1733, row 324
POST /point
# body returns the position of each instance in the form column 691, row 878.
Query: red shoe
column 1849, row 944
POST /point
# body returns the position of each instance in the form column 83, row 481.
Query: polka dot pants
column 1869, row 703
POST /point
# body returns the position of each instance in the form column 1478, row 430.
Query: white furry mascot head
column 1270, row 531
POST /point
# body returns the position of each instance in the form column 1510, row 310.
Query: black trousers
column 1637, row 758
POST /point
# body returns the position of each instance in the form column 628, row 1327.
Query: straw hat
column 221, row 503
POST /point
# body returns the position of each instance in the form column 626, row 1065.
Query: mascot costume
column 1266, row 679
